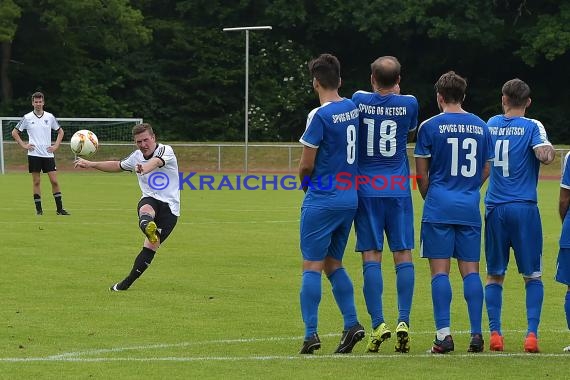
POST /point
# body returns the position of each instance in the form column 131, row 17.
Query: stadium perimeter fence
column 210, row 157
column 115, row 140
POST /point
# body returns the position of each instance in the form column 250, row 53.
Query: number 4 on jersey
column 502, row 156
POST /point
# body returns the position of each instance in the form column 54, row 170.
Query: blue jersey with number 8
column 332, row 129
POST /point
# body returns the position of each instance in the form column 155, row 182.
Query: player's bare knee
column 372, row 255
column 404, row 256
column 147, row 209
column 153, row 246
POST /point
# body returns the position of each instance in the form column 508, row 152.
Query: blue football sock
column 344, row 295
column 473, row 294
column 494, row 302
column 372, row 289
column 310, row 299
column 441, row 298
column 534, row 298
column 405, row 280
column 567, row 308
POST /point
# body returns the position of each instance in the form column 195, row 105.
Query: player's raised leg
column 142, row 262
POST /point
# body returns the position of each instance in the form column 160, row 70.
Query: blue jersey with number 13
column 458, row 146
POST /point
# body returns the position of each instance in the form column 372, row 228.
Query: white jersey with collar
column 39, row 132
column 162, row 182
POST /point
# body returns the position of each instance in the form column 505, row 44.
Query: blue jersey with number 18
column 331, row 128
column 458, row 146
column 385, row 121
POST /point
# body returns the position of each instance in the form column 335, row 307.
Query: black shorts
column 41, row 164
column 164, row 218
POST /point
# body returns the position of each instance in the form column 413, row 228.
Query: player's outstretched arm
column 545, row 153
column 104, row 166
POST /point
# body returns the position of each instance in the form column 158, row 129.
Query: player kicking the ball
column 159, row 207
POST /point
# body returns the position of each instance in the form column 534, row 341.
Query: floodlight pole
column 246, row 117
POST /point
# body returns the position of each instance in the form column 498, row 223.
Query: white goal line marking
column 284, row 357
column 76, row 356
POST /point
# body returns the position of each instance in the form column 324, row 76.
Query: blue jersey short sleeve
column 314, row 130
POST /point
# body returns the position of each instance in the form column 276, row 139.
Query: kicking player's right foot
column 531, row 343
column 310, row 345
column 402, row 338
column 349, row 339
column 117, row 287
column 150, row 232
column 496, row 343
column 442, row 346
column 377, row 336
column 39, row 212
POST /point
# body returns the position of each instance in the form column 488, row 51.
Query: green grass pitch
column 221, row 299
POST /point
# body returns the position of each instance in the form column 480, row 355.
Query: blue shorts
column 515, row 225
column 563, row 266
column 324, row 232
column 444, row 241
column 376, row 215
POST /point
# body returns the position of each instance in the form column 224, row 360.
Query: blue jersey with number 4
column 514, row 173
column 331, row 128
column 458, row 146
column 385, row 121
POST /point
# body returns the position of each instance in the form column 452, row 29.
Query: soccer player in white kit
column 39, row 124
column 159, row 207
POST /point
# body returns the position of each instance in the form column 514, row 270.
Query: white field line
column 452, row 356
column 77, row 356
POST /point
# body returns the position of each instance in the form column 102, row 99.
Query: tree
column 8, row 22
column 74, row 51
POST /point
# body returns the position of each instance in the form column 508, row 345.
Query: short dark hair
column 517, row 92
column 37, row 95
column 143, row 127
column 451, row 87
column 386, row 70
column 326, row 70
